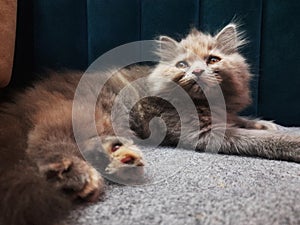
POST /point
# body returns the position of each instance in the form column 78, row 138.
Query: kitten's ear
column 167, row 47
column 229, row 39
column 167, row 41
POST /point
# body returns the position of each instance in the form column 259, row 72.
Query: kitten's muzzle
column 198, row 71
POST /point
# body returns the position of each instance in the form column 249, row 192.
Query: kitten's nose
column 197, row 71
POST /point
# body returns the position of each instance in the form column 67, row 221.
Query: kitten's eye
column 213, row 59
column 116, row 146
column 182, row 65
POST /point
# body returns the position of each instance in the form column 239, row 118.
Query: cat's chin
column 196, row 89
column 196, row 92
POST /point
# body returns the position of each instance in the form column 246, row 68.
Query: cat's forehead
column 198, row 43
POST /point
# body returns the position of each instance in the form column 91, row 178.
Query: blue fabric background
column 72, row 33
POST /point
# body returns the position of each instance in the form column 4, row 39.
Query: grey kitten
column 210, row 68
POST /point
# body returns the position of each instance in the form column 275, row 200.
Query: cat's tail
column 270, row 144
column 26, row 199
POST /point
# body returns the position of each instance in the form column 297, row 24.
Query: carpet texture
column 186, row 187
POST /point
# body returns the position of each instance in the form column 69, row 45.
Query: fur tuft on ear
column 194, row 31
column 167, row 48
column 229, row 39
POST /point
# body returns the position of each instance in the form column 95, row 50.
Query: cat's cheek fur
column 235, row 83
column 162, row 77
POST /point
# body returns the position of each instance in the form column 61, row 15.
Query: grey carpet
column 186, row 187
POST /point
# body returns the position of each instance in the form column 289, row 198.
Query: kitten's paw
column 265, row 125
column 123, row 156
column 126, row 160
column 75, row 177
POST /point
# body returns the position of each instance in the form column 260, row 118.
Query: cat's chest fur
column 174, row 120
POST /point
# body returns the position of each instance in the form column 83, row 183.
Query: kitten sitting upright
column 42, row 170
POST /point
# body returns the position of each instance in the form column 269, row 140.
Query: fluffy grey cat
column 210, row 68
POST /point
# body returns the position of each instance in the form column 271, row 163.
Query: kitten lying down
column 42, row 170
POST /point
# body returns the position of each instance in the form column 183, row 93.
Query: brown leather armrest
column 8, row 14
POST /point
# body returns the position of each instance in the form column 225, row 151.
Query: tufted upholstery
column 72, row 33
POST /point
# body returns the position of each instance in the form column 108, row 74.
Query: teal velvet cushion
column 72, row 33
column 279, row 86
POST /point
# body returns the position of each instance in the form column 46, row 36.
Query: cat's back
column 61, row 84
column 54, row 91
